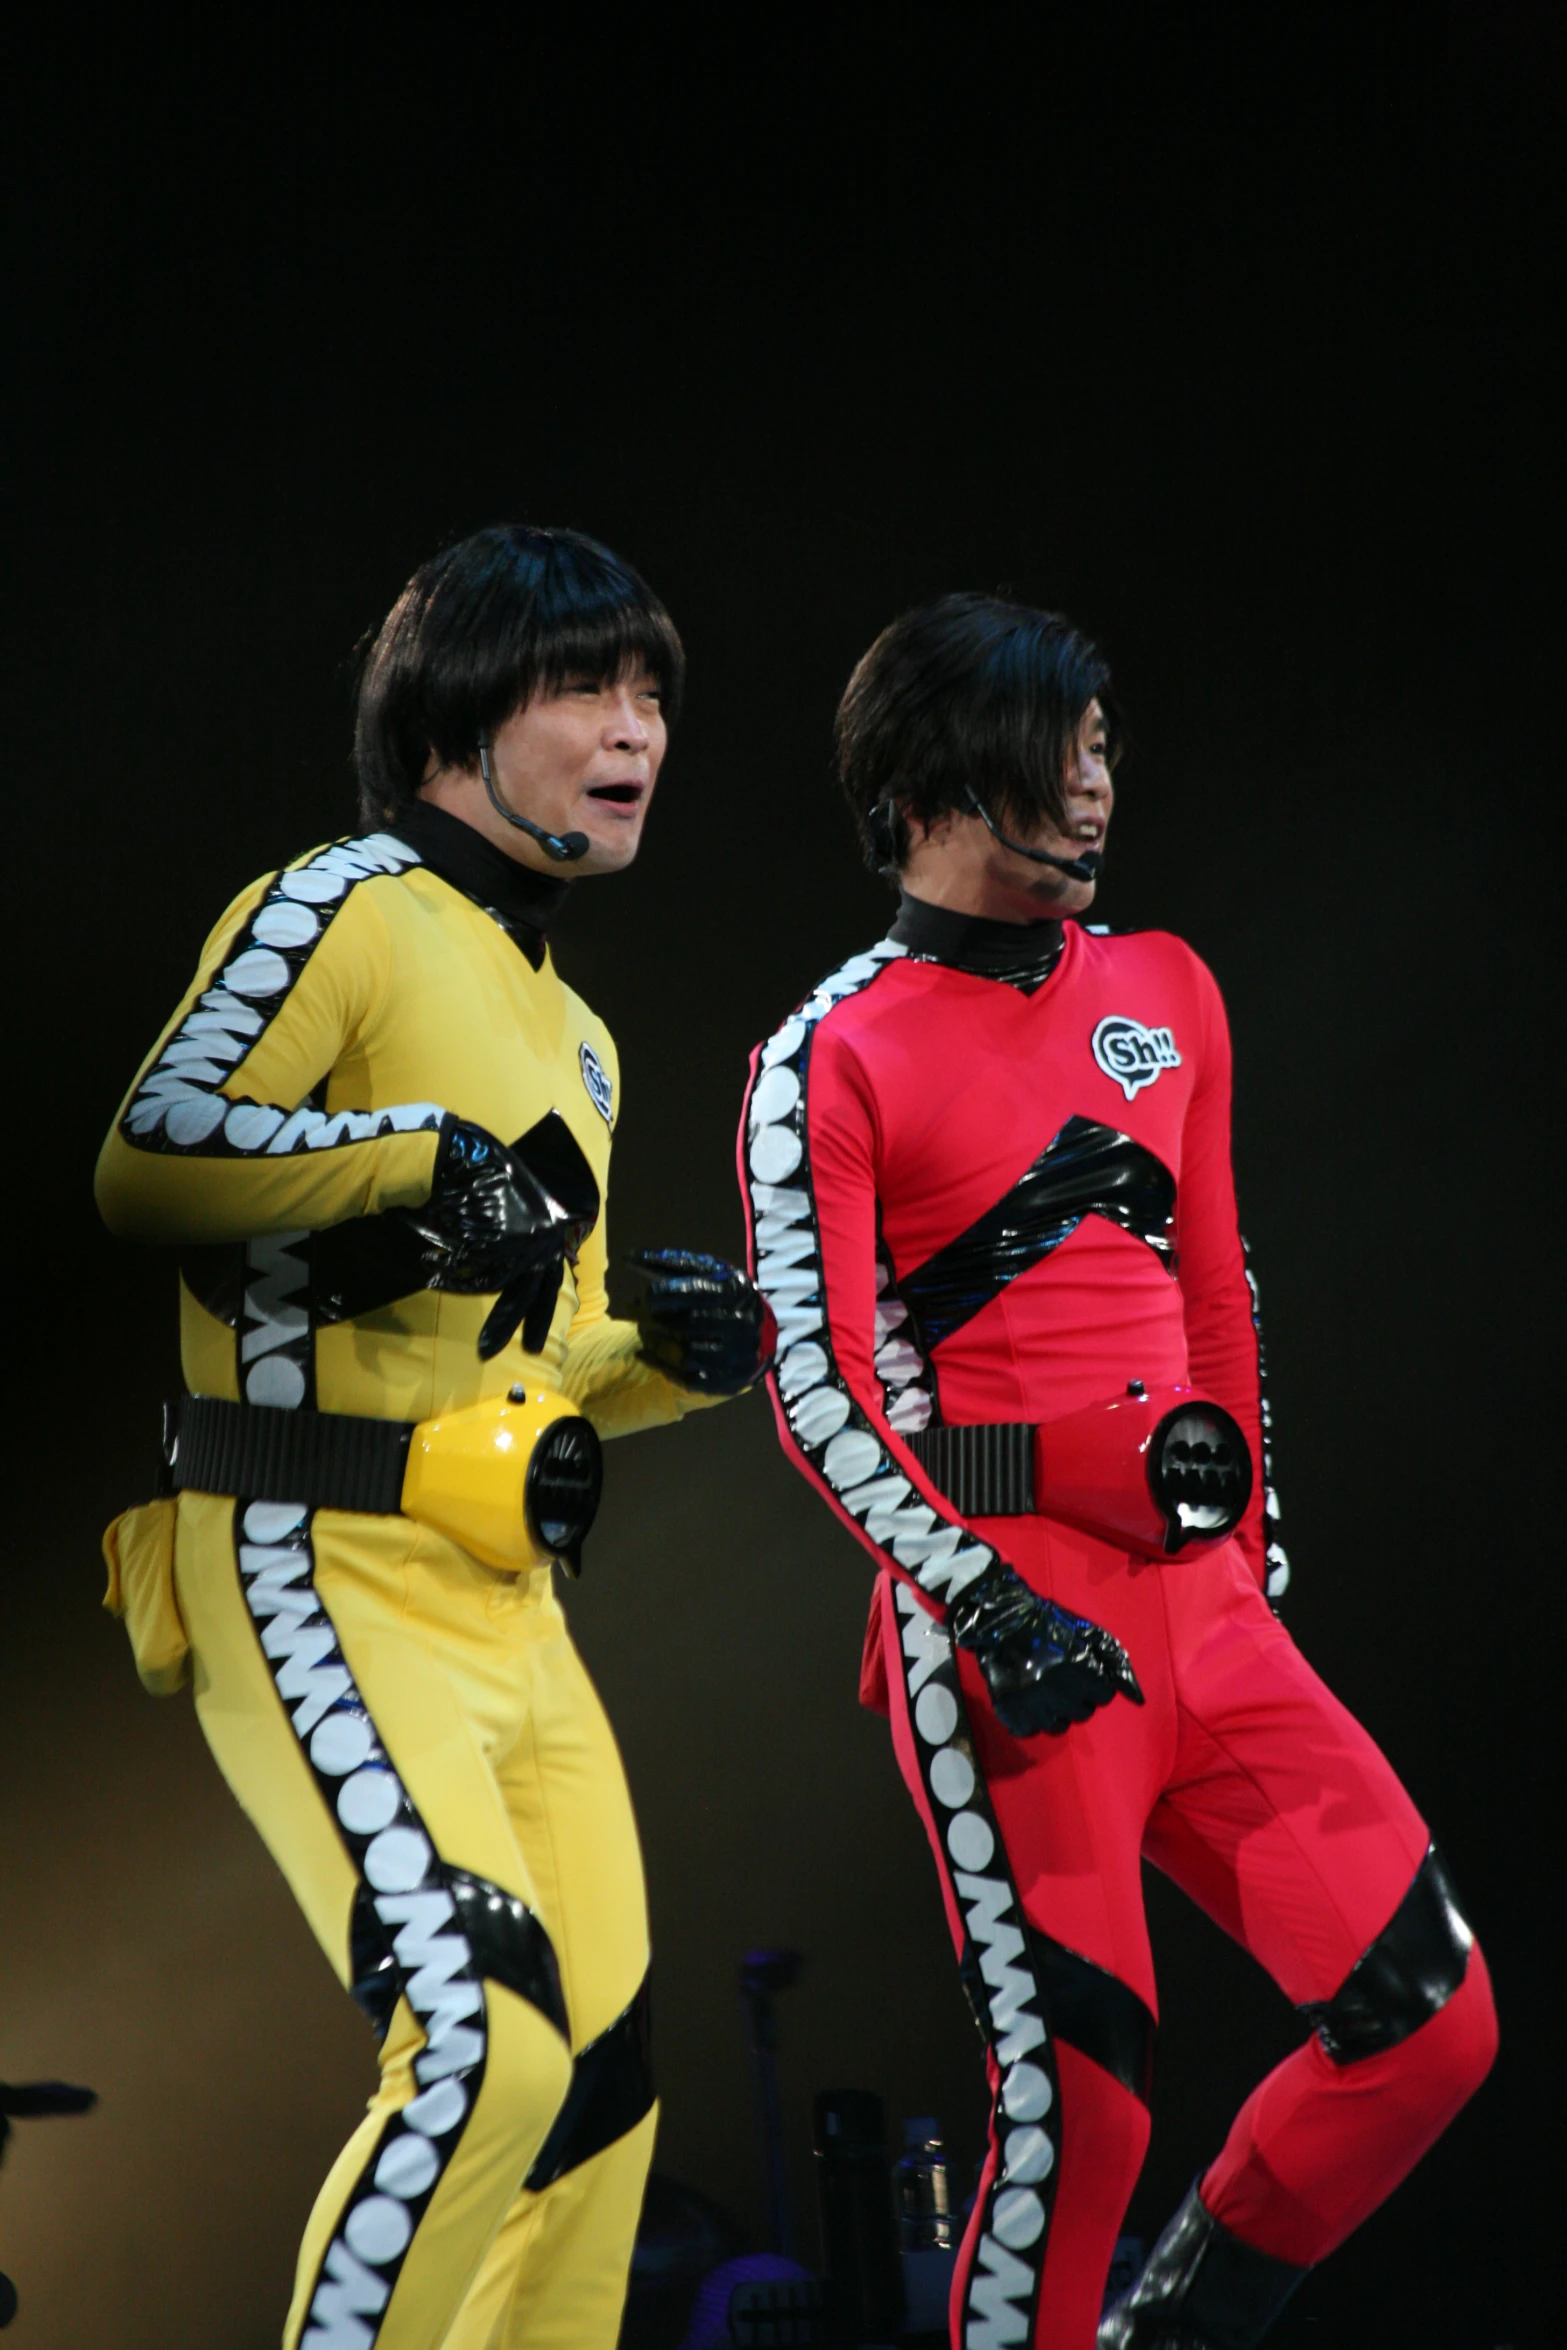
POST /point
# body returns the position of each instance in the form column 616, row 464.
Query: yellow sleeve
column 217, row 1140
column 604, row 1375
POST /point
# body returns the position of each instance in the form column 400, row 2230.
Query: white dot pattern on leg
column 844, row 1450
column 1008, row 2268
column 437, row 1971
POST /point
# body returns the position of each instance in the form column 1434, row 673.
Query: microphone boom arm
column 1083, row 868
column 564, row 847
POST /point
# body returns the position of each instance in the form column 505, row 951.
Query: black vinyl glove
column 703, row 1322
column 491, row 1223
column 1044, row 1669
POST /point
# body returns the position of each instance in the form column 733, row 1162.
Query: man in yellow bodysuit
column 378, row 1131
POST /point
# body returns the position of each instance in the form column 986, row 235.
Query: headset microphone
column 1083, row 868
column 564, row 847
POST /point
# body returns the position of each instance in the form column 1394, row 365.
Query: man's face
column 584, row 759
column 1090, row 798
column 959, row 862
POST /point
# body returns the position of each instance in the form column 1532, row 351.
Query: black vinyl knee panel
column 509, row 1944
column 611, row 2089
column 1091, row 2010
column 1406, row 1975
column 1096, row 2013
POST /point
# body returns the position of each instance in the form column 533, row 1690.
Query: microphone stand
column 762, row 1973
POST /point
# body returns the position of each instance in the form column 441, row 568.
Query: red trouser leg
column 1105, row 2136
column 1250, row 1785
column 1282, row 1819
column 1317, row 2146
column 1033, row 2263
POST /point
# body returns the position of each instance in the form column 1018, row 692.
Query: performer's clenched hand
column 703, row 1322
column 491, row 1223
column 1045, row 1669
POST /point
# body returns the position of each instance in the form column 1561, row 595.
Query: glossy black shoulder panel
column 1085, row 1170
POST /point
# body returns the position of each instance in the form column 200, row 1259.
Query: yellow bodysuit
column 412, row 1732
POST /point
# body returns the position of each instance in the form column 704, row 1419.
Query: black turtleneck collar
column 1022, row 954
column 523, row 902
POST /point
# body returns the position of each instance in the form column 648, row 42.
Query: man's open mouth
column 622, row 795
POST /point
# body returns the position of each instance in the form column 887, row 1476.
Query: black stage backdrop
column 1234, row 354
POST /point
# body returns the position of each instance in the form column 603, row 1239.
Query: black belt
column 332, row 1460
column 985, row 1471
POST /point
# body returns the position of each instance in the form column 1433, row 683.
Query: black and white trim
column 180, row 1105
column 1002, row 2292
column 1277, row 1576
column 836, row 1438
column 840, row 1444
column 908, row 1379
column 274, row 1337
column 433, row 1959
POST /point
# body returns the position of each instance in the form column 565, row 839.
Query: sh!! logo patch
column 1130, row 1053
column 596, row 1078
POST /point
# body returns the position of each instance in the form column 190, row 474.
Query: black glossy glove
column 1044, row 1669
column 703, row 1322
column 491, row 1222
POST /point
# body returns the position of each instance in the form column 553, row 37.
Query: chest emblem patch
column 601, row 1093
column 1132, row 1055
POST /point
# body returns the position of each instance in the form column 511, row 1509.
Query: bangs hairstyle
column 969, row 694
column 478, row 631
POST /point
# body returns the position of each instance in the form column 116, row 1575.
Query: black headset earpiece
column 885, row 833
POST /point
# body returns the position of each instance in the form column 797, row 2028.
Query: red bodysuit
column 988, row 1178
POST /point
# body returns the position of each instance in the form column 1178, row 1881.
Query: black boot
column 1202, row 2289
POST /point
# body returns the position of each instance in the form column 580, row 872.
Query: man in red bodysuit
column 987, row 1171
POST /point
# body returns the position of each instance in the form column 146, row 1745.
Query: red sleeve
column 807, row 1173
column 1224, row 1344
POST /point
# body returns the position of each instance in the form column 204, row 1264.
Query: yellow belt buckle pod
column 515, row 1480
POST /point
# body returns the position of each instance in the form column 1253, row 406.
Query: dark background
column 1231, row 346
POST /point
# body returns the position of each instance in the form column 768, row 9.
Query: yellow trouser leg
column 555, row 2276
column 556, row 2273
column 371, row 1694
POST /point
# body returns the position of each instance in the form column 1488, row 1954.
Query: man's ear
column 916, row 832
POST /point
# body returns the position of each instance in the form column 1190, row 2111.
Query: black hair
column 969, row 695
column 478, row 631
